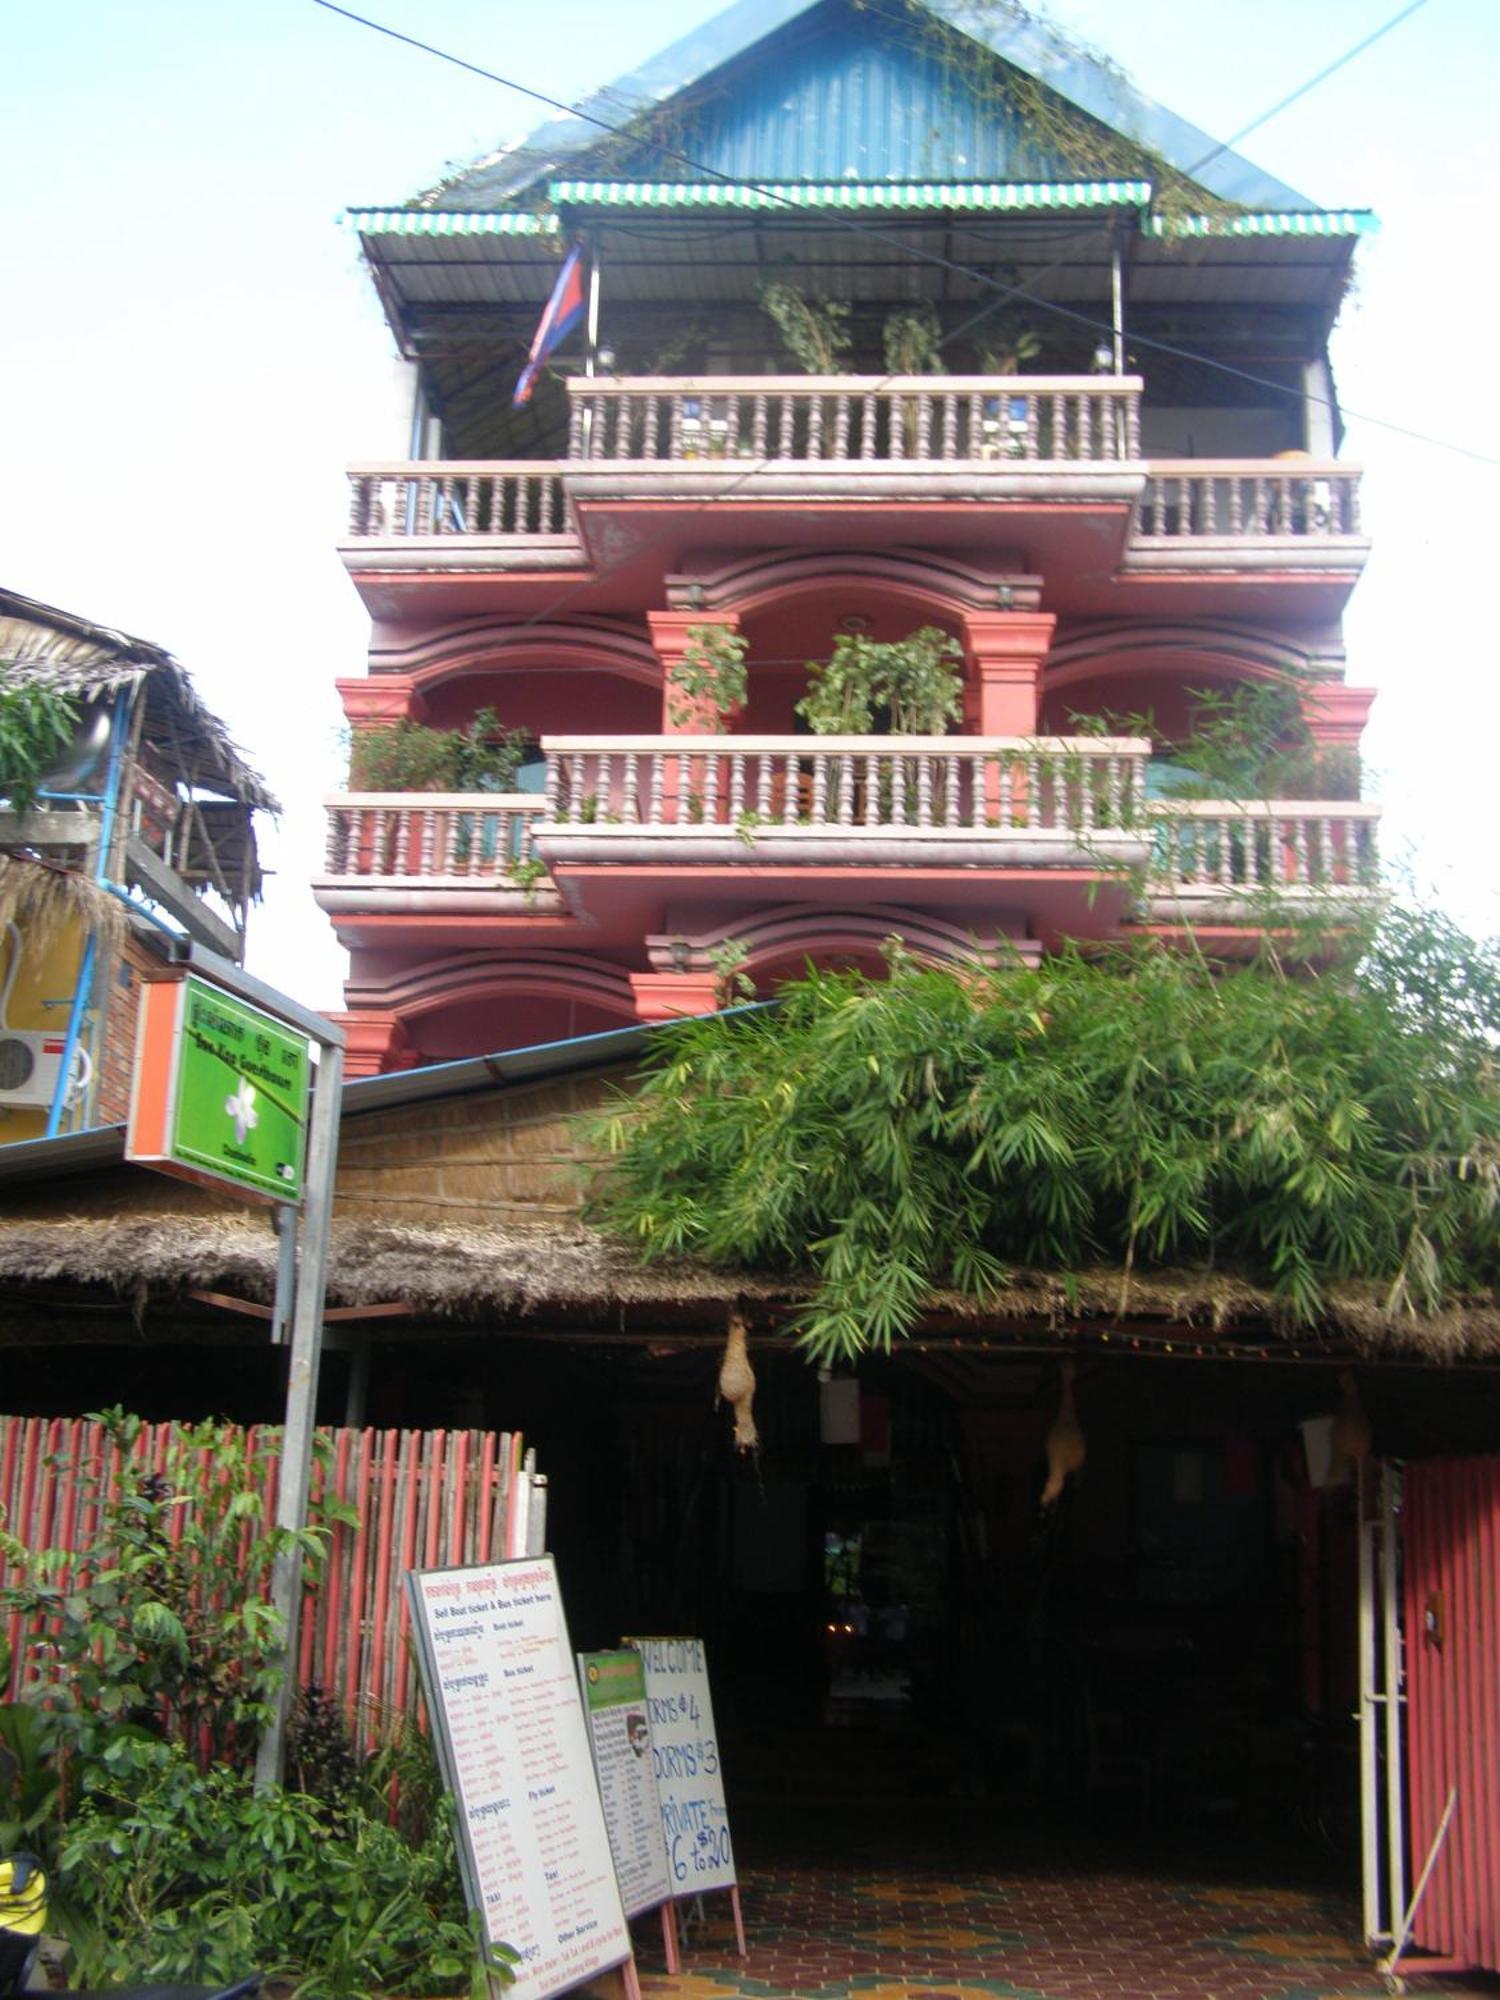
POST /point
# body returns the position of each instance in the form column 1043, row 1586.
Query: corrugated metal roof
column 1296, row 222
column 949, row 197
column 847, row 93
column 448, row 222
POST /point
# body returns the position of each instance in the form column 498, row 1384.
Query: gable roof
column 760, row 129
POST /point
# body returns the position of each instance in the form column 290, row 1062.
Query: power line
column 1311, row 84
column 931, row 257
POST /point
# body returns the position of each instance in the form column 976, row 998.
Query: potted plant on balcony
column 903, row 687
column 409, row 756
column 708, row 681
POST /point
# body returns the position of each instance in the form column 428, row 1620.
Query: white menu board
column 614, row 1701
column 504, row 1700
column 685, row 1751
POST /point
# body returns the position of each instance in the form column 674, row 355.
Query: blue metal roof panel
column 855, row 101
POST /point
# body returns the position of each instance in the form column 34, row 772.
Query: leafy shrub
column 36, row 724
column 173, row 1874
column 410, row 756
column 884, row 1139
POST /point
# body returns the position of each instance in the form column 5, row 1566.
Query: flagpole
column 593, row 324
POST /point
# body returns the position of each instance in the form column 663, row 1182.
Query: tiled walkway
column 886, row 1932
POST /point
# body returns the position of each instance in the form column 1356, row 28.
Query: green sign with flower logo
column 240, row 1109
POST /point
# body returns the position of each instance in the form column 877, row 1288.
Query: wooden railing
column 427, row 836
column 749, row 785
column 1269, row 847
column 420, row 1497
column 802, row 417
column 464, row 497
column 1226, row 497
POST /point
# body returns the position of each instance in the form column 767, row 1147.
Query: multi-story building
column 1071, row 407
column 138, row 830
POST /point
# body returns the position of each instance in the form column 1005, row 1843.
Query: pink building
column 1077, row 416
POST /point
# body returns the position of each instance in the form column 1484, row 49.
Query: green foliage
column 36, row 725
column 709, row 676
column 160, row 1624
column 912, row 341
column 1137, row 1108
column 814, row 331
column 1008, row 343
column 30, row 1779
column 410, row 756
column 1250, row 741
column 913, row 685
column 150, row 1660
column 173, row 1874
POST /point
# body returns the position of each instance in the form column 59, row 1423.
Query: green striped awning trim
column 1294, row 222
column 992, row 197
column 448, row 222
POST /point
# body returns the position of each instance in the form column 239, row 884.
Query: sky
column 190, row 352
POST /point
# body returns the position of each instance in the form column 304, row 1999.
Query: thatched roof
column 44, row 646
column 457, row 1273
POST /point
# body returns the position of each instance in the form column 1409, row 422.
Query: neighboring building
column 143, row 829
column 1153, row 507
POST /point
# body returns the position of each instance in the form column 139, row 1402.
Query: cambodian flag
column 563, row 311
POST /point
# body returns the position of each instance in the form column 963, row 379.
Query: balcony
column 1038, row 445
column 1060, row 827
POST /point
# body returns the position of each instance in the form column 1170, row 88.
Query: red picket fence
column 425, row 1499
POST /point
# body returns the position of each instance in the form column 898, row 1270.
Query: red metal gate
column 1451, row 1545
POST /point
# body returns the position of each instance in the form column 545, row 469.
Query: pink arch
column 783, row 579
column 1216, row 650
column 516, row 648
column 443, row 984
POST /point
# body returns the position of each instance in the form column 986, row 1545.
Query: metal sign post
column 220, row 1096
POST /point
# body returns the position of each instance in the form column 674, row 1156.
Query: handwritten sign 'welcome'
column 685, row 1751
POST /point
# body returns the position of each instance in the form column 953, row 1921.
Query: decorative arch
column 453, row 982
column 493, row 647
column 926, row 580
column 1135, row 651
column 811, row 931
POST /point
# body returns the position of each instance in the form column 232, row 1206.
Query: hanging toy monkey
column 737, row 1385
column 1066, row 1447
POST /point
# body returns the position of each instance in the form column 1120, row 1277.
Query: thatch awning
column 525, row 1274
column 44, row 646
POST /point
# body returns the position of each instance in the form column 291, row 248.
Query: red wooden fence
column 424, row 1498
column 1451, row 1544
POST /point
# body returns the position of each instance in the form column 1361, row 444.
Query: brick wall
column 506, row 1157
column 115, row 1050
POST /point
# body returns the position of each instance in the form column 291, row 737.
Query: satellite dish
column 77, row 764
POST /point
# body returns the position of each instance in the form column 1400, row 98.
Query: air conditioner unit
column 30, row 1061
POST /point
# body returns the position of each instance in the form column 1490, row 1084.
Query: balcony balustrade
column 937, row 800
column 1210, row 498
column 1209, row 853
column 736, row 802
column 826, row 439
column 1078, row 419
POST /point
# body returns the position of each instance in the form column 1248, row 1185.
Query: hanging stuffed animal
column 1066, row 1448
column 737, row 1384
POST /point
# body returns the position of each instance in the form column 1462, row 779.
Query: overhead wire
column 935, row 258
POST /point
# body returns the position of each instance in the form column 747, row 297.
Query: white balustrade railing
column 464, row 497
column 927, row 418
column 1240, row 501
column 426, row 836
column 1217, row 849
column 754, row 785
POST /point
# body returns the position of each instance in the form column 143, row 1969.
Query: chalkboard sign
column 509, row 1724
column 685, row 1752
column 614, row 1700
